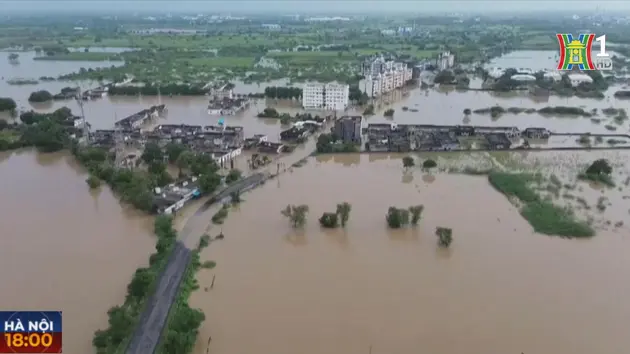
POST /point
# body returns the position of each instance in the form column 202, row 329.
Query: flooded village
column 363, row 288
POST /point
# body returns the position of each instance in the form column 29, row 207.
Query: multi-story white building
column 445, row 61
column 331, row 96
column 382, row 76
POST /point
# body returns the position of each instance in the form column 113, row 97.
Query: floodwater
column 500, row 288
column 435, row 106
column 65, row 247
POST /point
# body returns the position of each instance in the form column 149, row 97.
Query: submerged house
column 536, row 133
column 498, row 141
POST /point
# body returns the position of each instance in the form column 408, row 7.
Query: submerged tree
column 397, row 218
column 296, row 214
column 343, row 210
column 599, row 167
column 427, row 164
column 416, row 213
column 329, row 220
column 445, row 236
column 408, row 162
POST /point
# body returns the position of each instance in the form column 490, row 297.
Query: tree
column 369, row 110
column 173, row 150
column 329, row 220
column 93, row 182
column 599, row 167
column 7, row 104
column 184, row 160
column 13, row 57
column 40, row 96
column 343, row 210
column 397, row 218
column 209, row 182
column 445, row 236
column 408, row 162
column 140, row 283
column 389, row 113
column 467, row 111
column 152, row 153
column 444, row 77
column 429, row 164
column 233, row 176
column 416, row 213
column 296, row 214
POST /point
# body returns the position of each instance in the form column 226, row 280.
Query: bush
column 408, row 162
column 445, row 236
column 233, row 176
column 429, row 164
column 389, row 113
column 93, row 182
column 329, row 220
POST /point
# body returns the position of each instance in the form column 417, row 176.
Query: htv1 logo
column 580, row 52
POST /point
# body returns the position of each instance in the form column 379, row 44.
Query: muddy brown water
column 500, row 288
column 435, row 106
column 64, row 247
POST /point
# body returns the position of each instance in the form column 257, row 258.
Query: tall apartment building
column 382, row 76
column 329, row 96
column 445, row 61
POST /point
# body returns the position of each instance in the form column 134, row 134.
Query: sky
column 310, row 6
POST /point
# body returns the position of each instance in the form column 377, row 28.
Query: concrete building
column 577, row 79
column 330, row 96
column 348, row 129
column 445, row 61
column 382, row 76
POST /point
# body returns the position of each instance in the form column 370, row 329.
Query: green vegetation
column 497, row 111
column 408, row 162
column 219, row 217
column 340, row 216
column 154, row 90
column 389, row 113
column 93, row 182
column 7, row 104
column 545, row 217
column 296, row 214
column 81, row 56
column 399, row 217
column 328, row 143
column 123, row 318
column 429, row 164
column 233, row 176
column 40, row 96
column 287, row 93
column 599, row 171
column 416, row 213
column 51, row 133
column 329, row 220
column 445, row 236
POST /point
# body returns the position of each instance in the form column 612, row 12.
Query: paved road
column 153, row 318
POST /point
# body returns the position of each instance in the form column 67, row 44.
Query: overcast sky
column 305, row 6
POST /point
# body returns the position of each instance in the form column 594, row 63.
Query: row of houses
column 137, row 120
column 416, row 137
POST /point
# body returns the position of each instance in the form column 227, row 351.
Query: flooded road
column 499, row 288
column 65, row 247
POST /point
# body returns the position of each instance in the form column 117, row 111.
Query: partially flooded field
column 499, row 287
